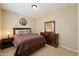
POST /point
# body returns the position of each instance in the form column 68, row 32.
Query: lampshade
column 8, row 32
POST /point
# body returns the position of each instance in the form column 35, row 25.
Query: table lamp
column 8, row 34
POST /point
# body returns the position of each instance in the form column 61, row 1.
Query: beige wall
column 0, row 25
column 66, row 26
column 11, row 20
column 78, row 29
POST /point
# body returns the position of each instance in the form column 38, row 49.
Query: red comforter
column 27, row 41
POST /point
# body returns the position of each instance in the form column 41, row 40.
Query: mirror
column 49, row 26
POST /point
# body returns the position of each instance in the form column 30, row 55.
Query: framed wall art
column 23, row 21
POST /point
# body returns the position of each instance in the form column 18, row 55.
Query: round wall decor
column 23, row 21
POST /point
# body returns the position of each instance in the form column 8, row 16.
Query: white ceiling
column 43, row 9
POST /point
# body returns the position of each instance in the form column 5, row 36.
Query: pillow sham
column 18, row 32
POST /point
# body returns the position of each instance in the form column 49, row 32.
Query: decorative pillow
column 21, row 32
column 17, row 32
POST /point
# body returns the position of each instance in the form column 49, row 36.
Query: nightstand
column 7, row 43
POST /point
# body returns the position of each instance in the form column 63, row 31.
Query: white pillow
column 22, row 31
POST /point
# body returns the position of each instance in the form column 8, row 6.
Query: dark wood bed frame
column 29, row 51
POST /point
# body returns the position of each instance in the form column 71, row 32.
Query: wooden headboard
column 14, row 29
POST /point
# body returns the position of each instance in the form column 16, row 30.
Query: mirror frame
column 49, row 22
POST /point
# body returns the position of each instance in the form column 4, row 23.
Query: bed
column 26, row 42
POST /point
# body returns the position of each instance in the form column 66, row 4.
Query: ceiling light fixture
column 34, row 7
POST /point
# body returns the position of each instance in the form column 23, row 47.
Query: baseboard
column 68, row 48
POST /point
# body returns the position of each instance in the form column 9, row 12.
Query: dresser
column 51, row 38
